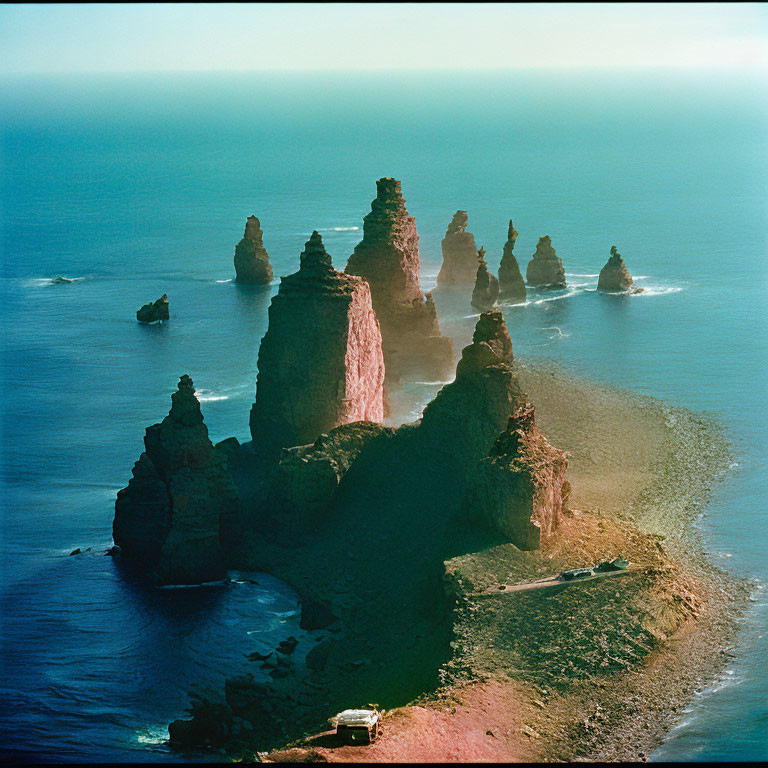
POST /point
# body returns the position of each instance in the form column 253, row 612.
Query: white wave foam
column 339, row 229
column 224, row 281
column 559, row 334
column 580, row 274
column 566, row 295
column 658, row 290
column 37, row 282
column 471, row 317
column 206, row 396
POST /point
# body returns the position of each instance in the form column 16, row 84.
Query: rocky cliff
column 545, row 270
column 251, row 258
column 614, row 276
column 486, row 289
column 180, row 499
column 321, row 362
column 459, row 253
column 511, row 283
column 388, row 258
column 519, row 491
column 154, row 311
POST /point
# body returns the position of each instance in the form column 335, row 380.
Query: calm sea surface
column 140, row 185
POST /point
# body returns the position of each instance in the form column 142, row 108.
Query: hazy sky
column 98, row 38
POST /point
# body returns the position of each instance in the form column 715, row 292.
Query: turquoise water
column 141, row 185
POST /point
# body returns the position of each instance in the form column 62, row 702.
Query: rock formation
column 154, row 311
column 321, row 362
column 180, row 499
column 388, row 258
column 614, row 276
column 545, row 270
column 519, row 491
column 251, row 258
column 511, row 283
column 459, row 253
column 486, row 289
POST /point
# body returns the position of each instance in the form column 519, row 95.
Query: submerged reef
column 321, row 361
column 179, row 501
column 545, row 269
column 388, row 259
column 614, row 276
column 154, row 311
column 459, row 253
column 251, row 258
column 486, row 289
column 511, row 283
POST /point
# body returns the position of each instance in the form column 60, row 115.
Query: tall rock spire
column 459, row 253
column 251, row 258
column 388, row 258
column 321, row 362
column 614, row 276
column 511, row 283
column 486, row 289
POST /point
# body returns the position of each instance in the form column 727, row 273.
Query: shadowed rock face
column 486, row 289
column 511, row 283
column 321, row 361
column 154, row 311
column 545, row 270
column 614, row 276
column 388, row 258
column 180, row 499
column 459, row 253
column 251, row 258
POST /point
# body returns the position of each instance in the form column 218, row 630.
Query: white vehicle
column 358, row 726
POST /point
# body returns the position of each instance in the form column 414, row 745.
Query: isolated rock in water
column 60, row 280
column 388, row 258
column 180, row 500
column 321, row 362
column 614, row 276
column 519, row 491
column 251, row 258
column 545, row 270
column 154, row 311
column 486, row 289
column 459, row 253
column 511, row 283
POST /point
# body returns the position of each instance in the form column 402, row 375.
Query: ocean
column 138, row 185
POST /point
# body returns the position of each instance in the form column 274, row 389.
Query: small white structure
column 358, row 726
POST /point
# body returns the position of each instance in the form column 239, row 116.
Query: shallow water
column 139, row 186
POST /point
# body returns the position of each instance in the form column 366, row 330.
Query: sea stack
column 179, row 500
column 545, row 270
column 388, row 258
column 321, row 362
column 486, row 289
column 614, row 276
column 459, row 253
column 251, row 258
column 511, row 283
column 154, row 311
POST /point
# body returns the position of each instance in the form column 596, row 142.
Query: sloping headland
column 398, row 539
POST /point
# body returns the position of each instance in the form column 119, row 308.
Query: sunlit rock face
column 459, row 253
column 614, row 276
column 486, row 290
column 321, row 361
column 545, row 269
column 180, row 499
column 511, row 283
column 251, row 258
column 388, row 259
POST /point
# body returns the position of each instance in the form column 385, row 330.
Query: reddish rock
column 519, row 491
column 251, row 258
column 388, row 258
column 459, row 253
column 180, row 500
column 511, row 283
column 614, row 276
column 321, row 362
column 545, row 270
column 486, row 289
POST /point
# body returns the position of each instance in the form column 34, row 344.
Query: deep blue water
column 140, row 185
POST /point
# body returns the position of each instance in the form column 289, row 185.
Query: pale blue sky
column 125, row 38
